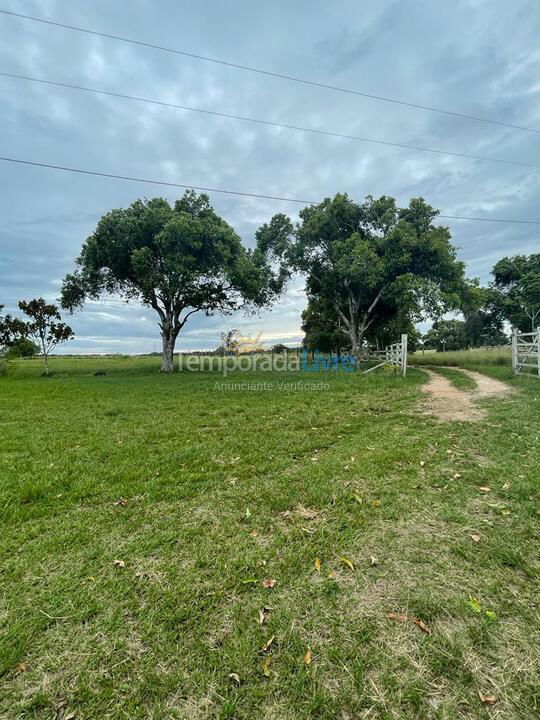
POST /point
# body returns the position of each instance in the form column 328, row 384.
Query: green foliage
column 516, row 290
column 479, row 329
column 22, row 347
column 45, row 327
column 12, row 330
column 178, row 260
column 322, row 328
column 371, row 262
column 446, row 335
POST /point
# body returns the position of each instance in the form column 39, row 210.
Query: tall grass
column 464, row 358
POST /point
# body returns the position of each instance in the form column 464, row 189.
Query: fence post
column 404, row 355
column 538, row 349
column 514, row 350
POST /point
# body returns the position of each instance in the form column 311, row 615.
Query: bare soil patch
column 447, row 402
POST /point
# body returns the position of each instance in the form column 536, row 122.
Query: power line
column 154, row 182
column 95, row 173
column 243, row 118
column 269, row 73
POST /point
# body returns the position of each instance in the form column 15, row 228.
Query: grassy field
column 465, row 358
column 175, row 549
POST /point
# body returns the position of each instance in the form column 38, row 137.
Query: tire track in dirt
column 448, row 403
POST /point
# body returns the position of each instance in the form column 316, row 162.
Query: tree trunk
column 46, row 363
column 168, row 339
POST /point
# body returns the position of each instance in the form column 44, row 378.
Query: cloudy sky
column 478, row 57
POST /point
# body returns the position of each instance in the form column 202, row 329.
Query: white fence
column 526, row 352
column 394, row 355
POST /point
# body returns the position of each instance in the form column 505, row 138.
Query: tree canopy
column 178, row 260
column 371, row 261
column 322, row 327
column 12, row 330
column 517, row 290
column 45, row 326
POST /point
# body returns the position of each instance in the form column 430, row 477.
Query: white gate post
column 538, row 349
column 404, row 354
column 515, row 350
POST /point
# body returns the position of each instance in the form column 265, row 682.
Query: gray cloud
column 473, row 56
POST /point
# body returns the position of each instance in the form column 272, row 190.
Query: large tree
column 517, row 284
column 178, row 260
column 371, row 262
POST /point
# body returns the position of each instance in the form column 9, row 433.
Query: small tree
column 229, row 342
column 45, row 327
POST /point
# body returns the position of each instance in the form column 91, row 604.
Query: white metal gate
column 526, row 352
column 394, row 355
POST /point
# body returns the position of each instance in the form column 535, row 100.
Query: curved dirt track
column 447, row 403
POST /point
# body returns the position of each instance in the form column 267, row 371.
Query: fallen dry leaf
column 267, row 644
column 308, row 657
column 121, row 501
column 20, row 668
column 253, row 533
column 484, row 488
column 235, row 677
column 421, row 624
column 317, row 564
column 401, row 617
column 347, row 562
column 373, row 560
column 398, row 617
column 475, row 538
column 119, row 563
column 266, row 665
column 487, row 699
column 263, row 614
column 268, row 583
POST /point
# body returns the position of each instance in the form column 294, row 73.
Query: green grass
column 465, row 358
column 456, row 377
column 215, row 486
